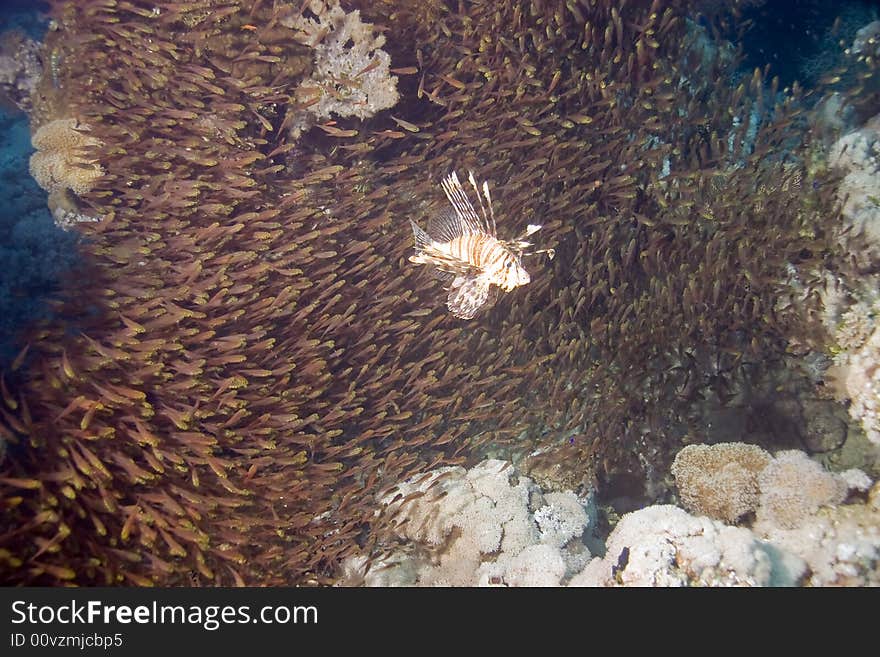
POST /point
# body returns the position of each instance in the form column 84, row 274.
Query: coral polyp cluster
column 259, row 361
column 61, row 161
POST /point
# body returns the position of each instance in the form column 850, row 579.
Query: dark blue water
column 34, row 253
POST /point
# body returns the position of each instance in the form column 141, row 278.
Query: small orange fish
column 464, row 251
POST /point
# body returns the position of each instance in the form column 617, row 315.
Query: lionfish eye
column 509, row 264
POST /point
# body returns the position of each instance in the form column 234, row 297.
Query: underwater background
column 218, row 365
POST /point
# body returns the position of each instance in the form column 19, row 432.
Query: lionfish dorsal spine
column 464, row 209
column 488, row 215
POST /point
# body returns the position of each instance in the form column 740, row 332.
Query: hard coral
column 855, row 373
column 841, row 545
column 851, row 306
column 478, row 527
column 664, row 546
column 351, row 76
column 856, row 156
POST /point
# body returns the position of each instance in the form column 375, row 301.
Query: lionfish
column 464, row 251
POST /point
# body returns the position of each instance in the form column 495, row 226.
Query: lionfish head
column 511, row 274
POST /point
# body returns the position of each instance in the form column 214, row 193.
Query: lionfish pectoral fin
column 530, row 230
column 447, row 225
column 444, row 276
column 467, row 295
column 422, row 239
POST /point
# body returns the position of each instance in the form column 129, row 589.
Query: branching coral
column 351, row 71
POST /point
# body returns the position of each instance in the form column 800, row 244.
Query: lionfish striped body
column 463, row 249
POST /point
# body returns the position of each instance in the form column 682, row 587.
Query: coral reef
column 726, row 481
column 62, row 160
column 847, row 118
column 350, row 76
column 664, row 546
column 479, row 527
column 850, row 298
column 793, row 487
column 851, row 312
column 849, row 291
column 491, row 526
column 801, row 514
column 21, row 68
column 721, row 480
column 840, row 545
column 262, row 363
column 856, row 156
